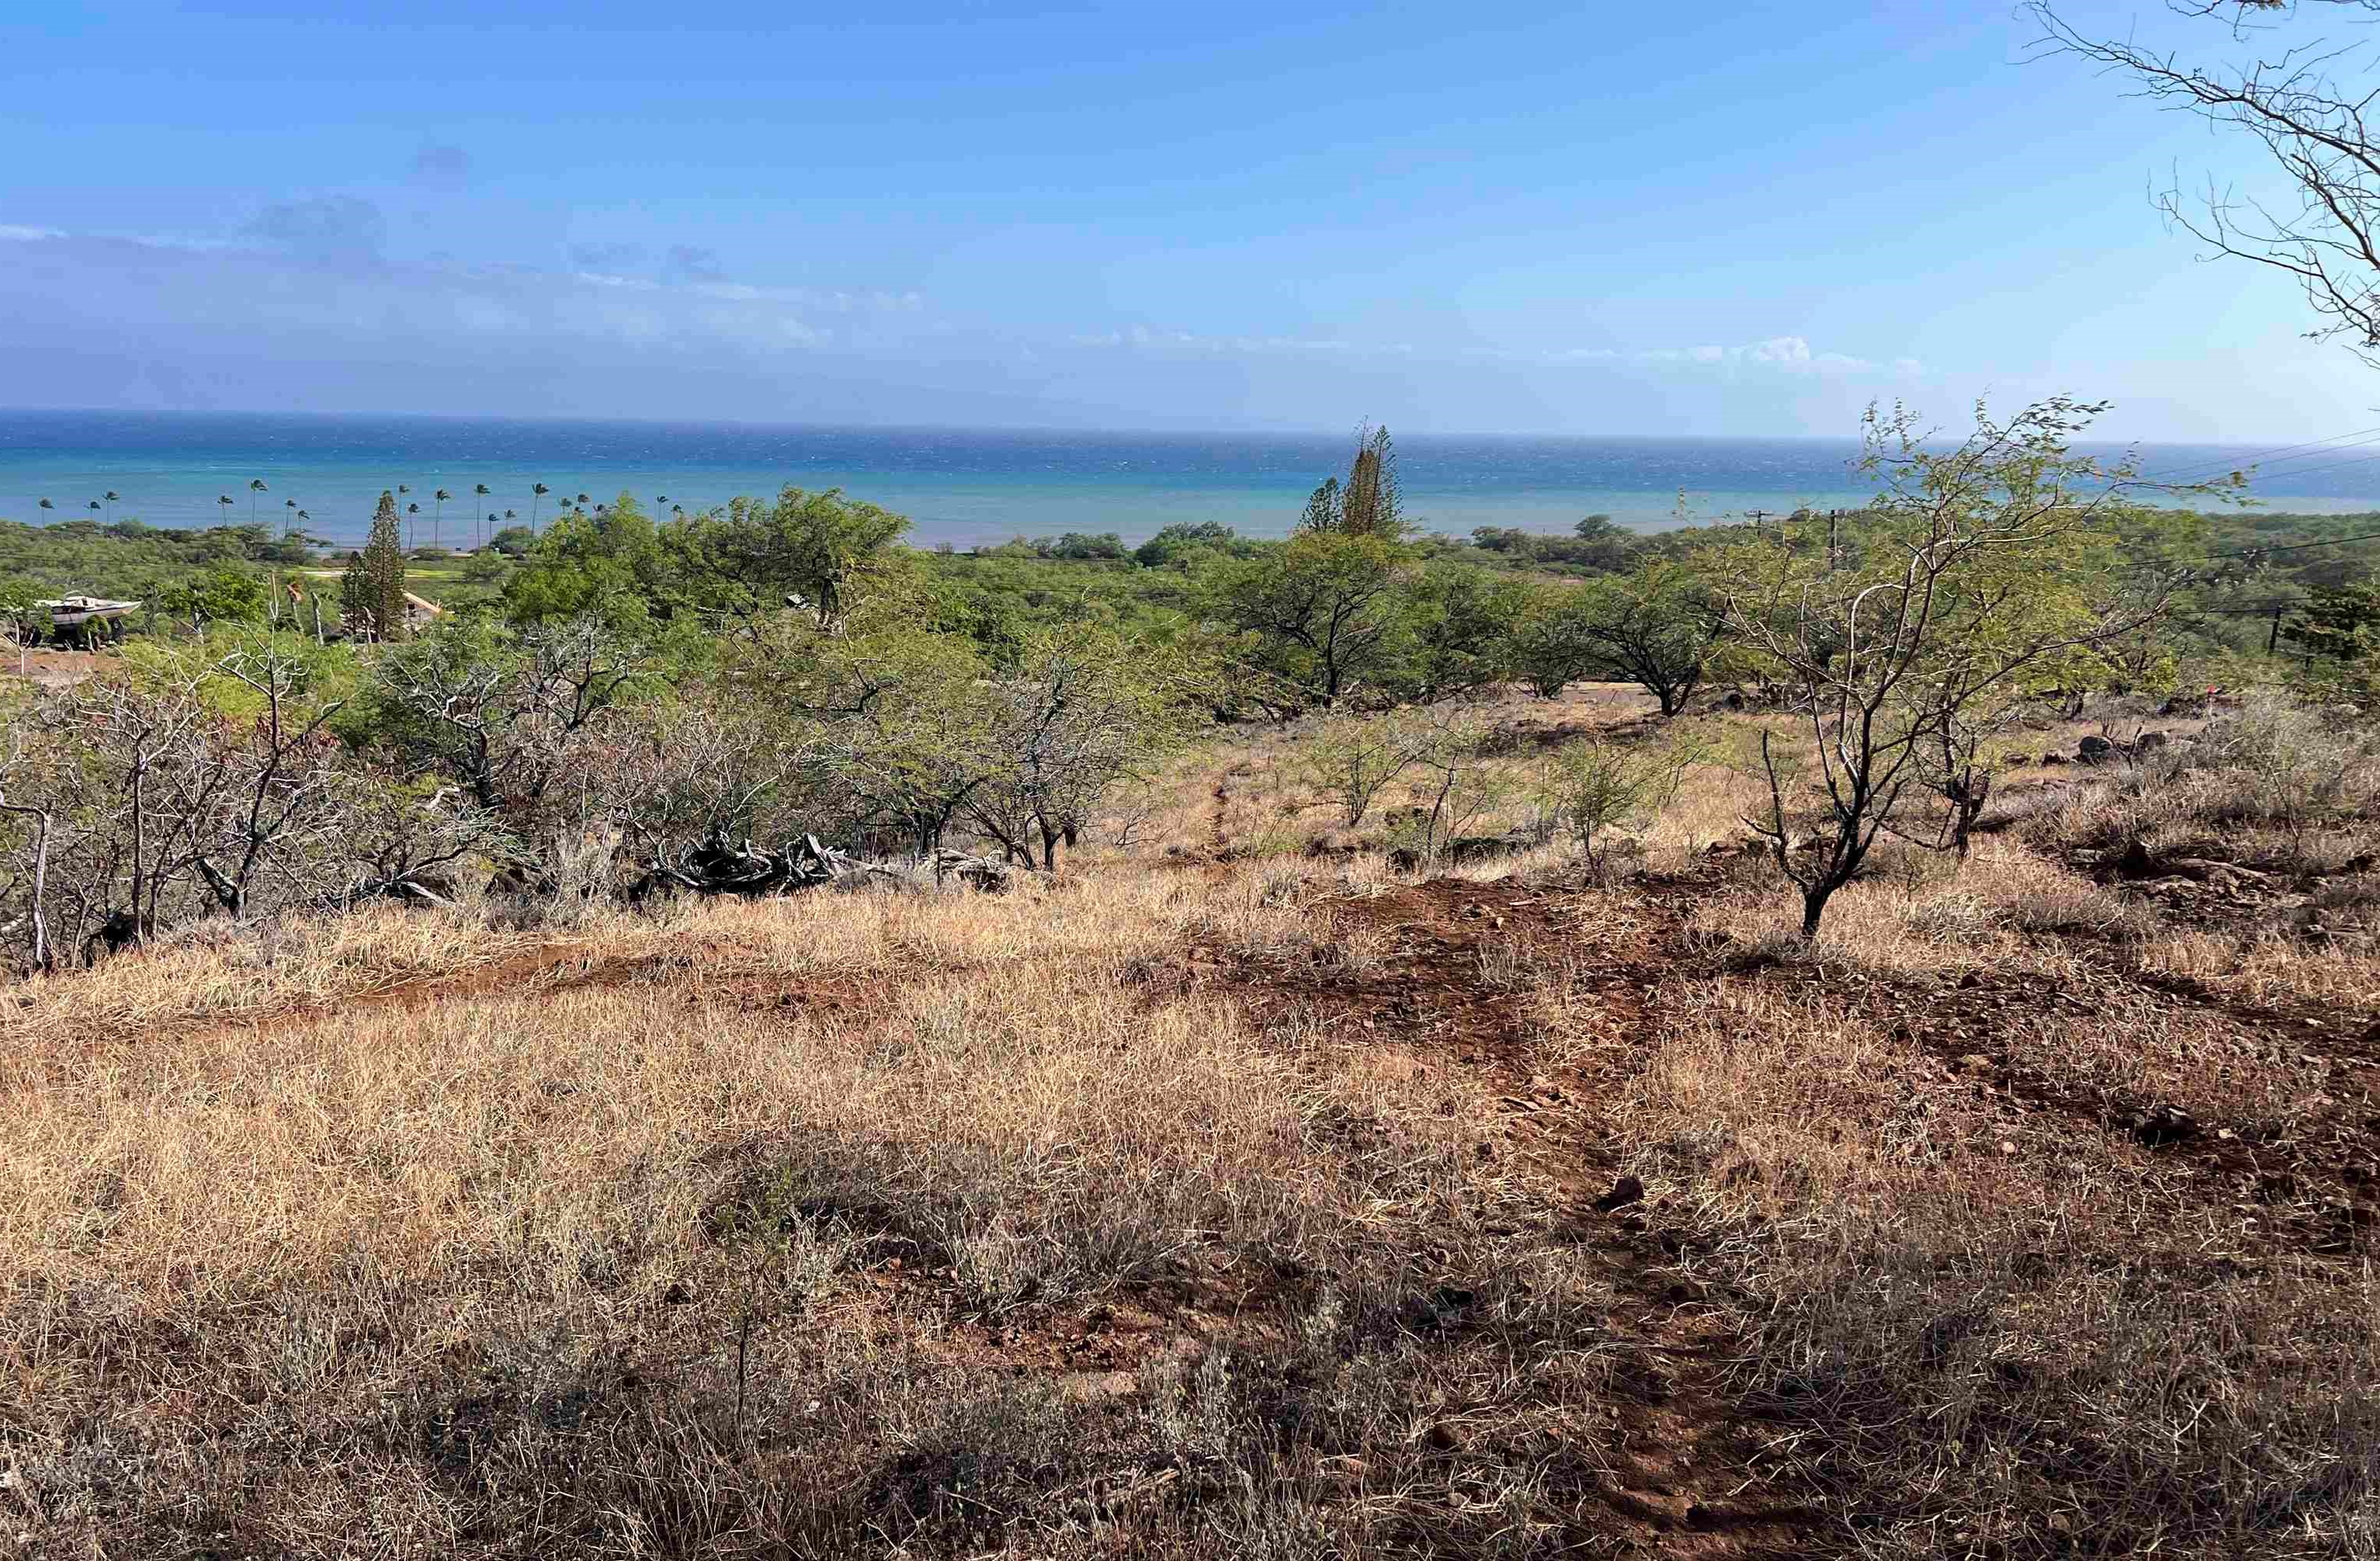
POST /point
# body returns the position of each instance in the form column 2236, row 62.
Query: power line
column 2283, row 547
column 2252, row 551
column 2263, row 457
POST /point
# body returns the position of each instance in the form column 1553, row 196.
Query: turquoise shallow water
column 961, row 487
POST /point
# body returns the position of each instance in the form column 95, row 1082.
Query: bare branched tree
column 1074, row 721
column 506, row 720
column 35, row 877
column 2305, row 107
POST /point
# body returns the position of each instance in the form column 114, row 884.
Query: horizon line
column 1077, row 430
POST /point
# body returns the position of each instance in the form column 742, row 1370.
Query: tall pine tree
column 1374, row 506
column 1324, row 511
column 1371, row 504
column 371, row 591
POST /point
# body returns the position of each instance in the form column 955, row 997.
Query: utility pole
column 2273, row 640
column 1834, row 541
column 1757, row 518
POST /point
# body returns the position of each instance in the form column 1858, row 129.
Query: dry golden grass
column 923, row 1224
column 1919, row 913
column 736, row 1242
column 1979, row 1331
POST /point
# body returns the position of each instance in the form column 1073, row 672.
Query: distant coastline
column 962, row 487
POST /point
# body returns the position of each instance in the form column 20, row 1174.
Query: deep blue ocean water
column 959, row 486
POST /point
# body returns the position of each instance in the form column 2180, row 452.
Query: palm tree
column 92, row 505
column 223, row 503
column 255, row 486
column 438, row 517
column 410, row 509
column 535, row 493
column 47, row 505
column 582, row 499
column 110, row 499
column 481, row 491
column 660, row 498
column 289, row 508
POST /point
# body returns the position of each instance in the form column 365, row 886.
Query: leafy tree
column 224, row 594
column 2339, row 622
column 1460, row 619
column 21, row 619
column 1548, row 645
column 371, row 588
column 1979, row 566
column 1080, row 545
column 515, row 541
column 611, row 566
column 1599, row 546
column 1182, row 538
column 1656, row 626
column 811, row 550
column 1323, row 614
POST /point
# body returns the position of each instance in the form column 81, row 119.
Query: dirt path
column 1453, row 988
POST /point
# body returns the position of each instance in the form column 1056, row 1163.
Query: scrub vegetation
column 1858, row 1035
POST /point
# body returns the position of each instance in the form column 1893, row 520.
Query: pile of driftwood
column 720, row 866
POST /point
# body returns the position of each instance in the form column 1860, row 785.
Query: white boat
column 69, row 611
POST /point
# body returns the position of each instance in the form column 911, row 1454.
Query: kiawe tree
column 1322, row 614
column 2289, row 97
column 806, row 550
column 1656, row 626
column 1979, row 566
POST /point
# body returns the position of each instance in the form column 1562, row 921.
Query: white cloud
column 1791, row 355
column 312, row 270
column 1781, row 354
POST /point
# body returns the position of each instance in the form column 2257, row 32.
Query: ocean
column 961, row 487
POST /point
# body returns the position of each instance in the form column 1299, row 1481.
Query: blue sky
column 1702, row 219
